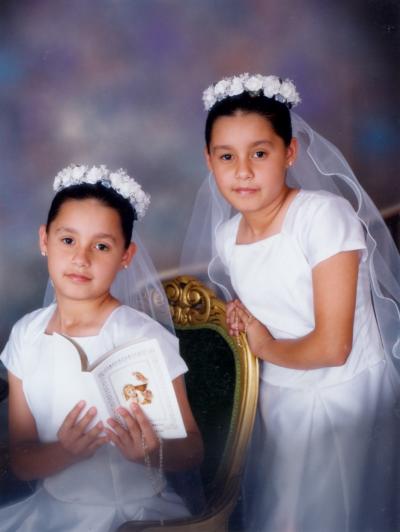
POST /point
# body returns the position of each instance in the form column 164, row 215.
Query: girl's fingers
column 230, row 309
column 93, row 434
column 98, row 442
column 145, row 426
column 112, row 436
column 87, row 418
column 124, row 437
column 72, row 417
column 130, row 419
column 243, row 314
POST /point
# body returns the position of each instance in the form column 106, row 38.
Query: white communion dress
column 102, row 492
column 325, row 452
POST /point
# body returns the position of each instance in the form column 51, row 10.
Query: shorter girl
column 319, row 304
column 87, row 483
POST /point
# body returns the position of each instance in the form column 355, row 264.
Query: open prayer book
column 134, row 372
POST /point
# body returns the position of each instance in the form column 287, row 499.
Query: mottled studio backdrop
column 119, row 82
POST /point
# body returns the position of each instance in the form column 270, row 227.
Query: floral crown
column 119, row 180
column 283, row 91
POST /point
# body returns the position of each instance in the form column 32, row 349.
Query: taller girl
column 303, row 264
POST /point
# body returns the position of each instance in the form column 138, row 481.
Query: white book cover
column 134, row 372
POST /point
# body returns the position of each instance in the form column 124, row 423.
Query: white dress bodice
column 273, row 279
column 107, row 477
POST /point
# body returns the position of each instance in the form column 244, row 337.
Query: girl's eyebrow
column 64, row 229
column 252, row 145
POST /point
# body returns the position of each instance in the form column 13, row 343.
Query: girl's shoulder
column 320, row 198
column 312, row 207
column 323, row 224
column 33, row 323
column 128, row 322
column 225, row 237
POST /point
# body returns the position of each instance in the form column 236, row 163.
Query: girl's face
column 85, row 248
column 249, row 161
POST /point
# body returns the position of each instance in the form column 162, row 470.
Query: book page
column 71, row 384
column 137, row 372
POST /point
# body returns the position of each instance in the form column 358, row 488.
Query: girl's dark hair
column 277, row 113
column 105, row 195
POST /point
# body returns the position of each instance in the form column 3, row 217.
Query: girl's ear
column 291, row 152
column 43, row 240
column 128, row 255
column 207, row 158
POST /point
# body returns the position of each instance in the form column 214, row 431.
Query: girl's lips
column 245, row 190
column 78, row 278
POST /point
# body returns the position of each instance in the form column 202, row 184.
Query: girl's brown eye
column 102, row 247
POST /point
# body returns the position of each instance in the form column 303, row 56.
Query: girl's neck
column 81, row 318
column 261, row 224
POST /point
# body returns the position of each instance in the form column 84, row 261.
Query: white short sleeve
column 12, row 355
column 129, row 324
column 170, row 348
column 329, row 225
column 225, row 240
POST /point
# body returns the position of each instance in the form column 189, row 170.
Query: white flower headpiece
column 119, row 180
column 256, row 85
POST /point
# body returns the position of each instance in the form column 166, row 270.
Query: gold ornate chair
column 222, row 385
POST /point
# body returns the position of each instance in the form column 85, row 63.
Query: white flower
column 254, row 83
column 271, row 86
column 120, row 181
column 221, row 87
column 78, row 172
column 235, row 87
column 124, row 189
column 287, row 90
column 94, row 174
column 208, row 98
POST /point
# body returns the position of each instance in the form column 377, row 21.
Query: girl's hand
column 139, row 439
column 239, row 319
column 74, row 437
column 234, row 320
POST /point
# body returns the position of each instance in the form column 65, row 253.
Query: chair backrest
column 222, row 384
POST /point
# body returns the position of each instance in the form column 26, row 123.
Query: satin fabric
column 103, row 491
column 323, row 456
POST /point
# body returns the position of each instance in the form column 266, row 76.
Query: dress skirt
column 43, row 512
column 326, row 459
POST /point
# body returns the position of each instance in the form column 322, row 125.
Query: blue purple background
column 119, row 82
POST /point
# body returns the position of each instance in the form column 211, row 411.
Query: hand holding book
column 129, row 374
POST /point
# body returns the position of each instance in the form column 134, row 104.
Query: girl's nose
column 80, row 258
column 244, row 170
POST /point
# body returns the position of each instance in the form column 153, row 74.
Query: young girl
column 311, row 285
column 88, row 483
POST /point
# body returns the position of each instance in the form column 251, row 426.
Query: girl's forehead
column 76, row 207
column 89, row 213
column 241, row 126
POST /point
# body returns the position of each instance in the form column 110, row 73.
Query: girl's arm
column 31, row 459
column 178, row 454
column 330, row 343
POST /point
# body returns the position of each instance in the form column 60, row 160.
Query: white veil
column 319, row 166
